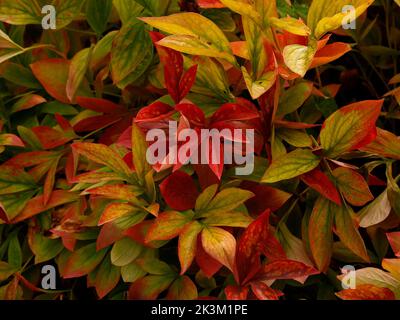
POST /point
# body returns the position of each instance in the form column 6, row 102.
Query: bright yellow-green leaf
column 291, row 25
column 295, row 138
column 193, row 34
column 291, row 165
column 328, row 15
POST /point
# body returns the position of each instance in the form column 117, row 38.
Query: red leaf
column 234, row 111
column 366, row 292
column 265, row 197
column 109, row 234
column 285, row 269
column 207, row 4
column 236, row 292
column 193, row 113
column 394, row 240
column 100, row 105
column 320, row 182
column 207, row 264
column 254, row 240
column 179, row 191
column 187, row 81
column 264, row 292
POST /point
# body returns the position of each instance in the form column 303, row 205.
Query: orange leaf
column 366, row 292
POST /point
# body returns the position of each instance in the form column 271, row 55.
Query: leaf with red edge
column 386, row 144
column 284, row 269
column 320, row 233
column 236, row 292
column 264, row 292
column 179, row 191
column 107, row 277
column 27, row 102
column 219, row 244
column 116, row 210
column 187, row 244
column 367, row 292
column 320, row 182
column 35, row 205
column 8, row 139
column 353, row 186
column 51, row 138
column 168, row 225
column 117, row 192
column 83, row 261
column 351, row 127
column 53, row 75
column 187, row 81
column 109, row 233
column 207, row 263
column 394, row 240
column 149, row 287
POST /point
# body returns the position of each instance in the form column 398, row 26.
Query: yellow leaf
column 219, row 244
column 328, row 15
column 298, row 58
column 291, row 25
column 193, row 34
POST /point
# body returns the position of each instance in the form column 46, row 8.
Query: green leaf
column 187, row 244
column 97, row 14
column 132, row 272
column 14, row 203
column 139, row 149
column 83, row 261
column 291, row 165
column 294, row 137
column 104, row 155
column 14, row 179
column 124, row 251
column 294, row 97
column 6, row 270
column 320, row 233
column 107, row 277
column 14, row 252
column 350, row 127
column 182, row 289
column 131, row 47
column 205, row 197
column 21, row 12
column 193, row 34
column 346, row 230
column 77, row 70
column 375, row 212
column 43, row 247
column 128, row 10
column 225, row 201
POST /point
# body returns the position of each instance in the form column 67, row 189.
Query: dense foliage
column 77, row 191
